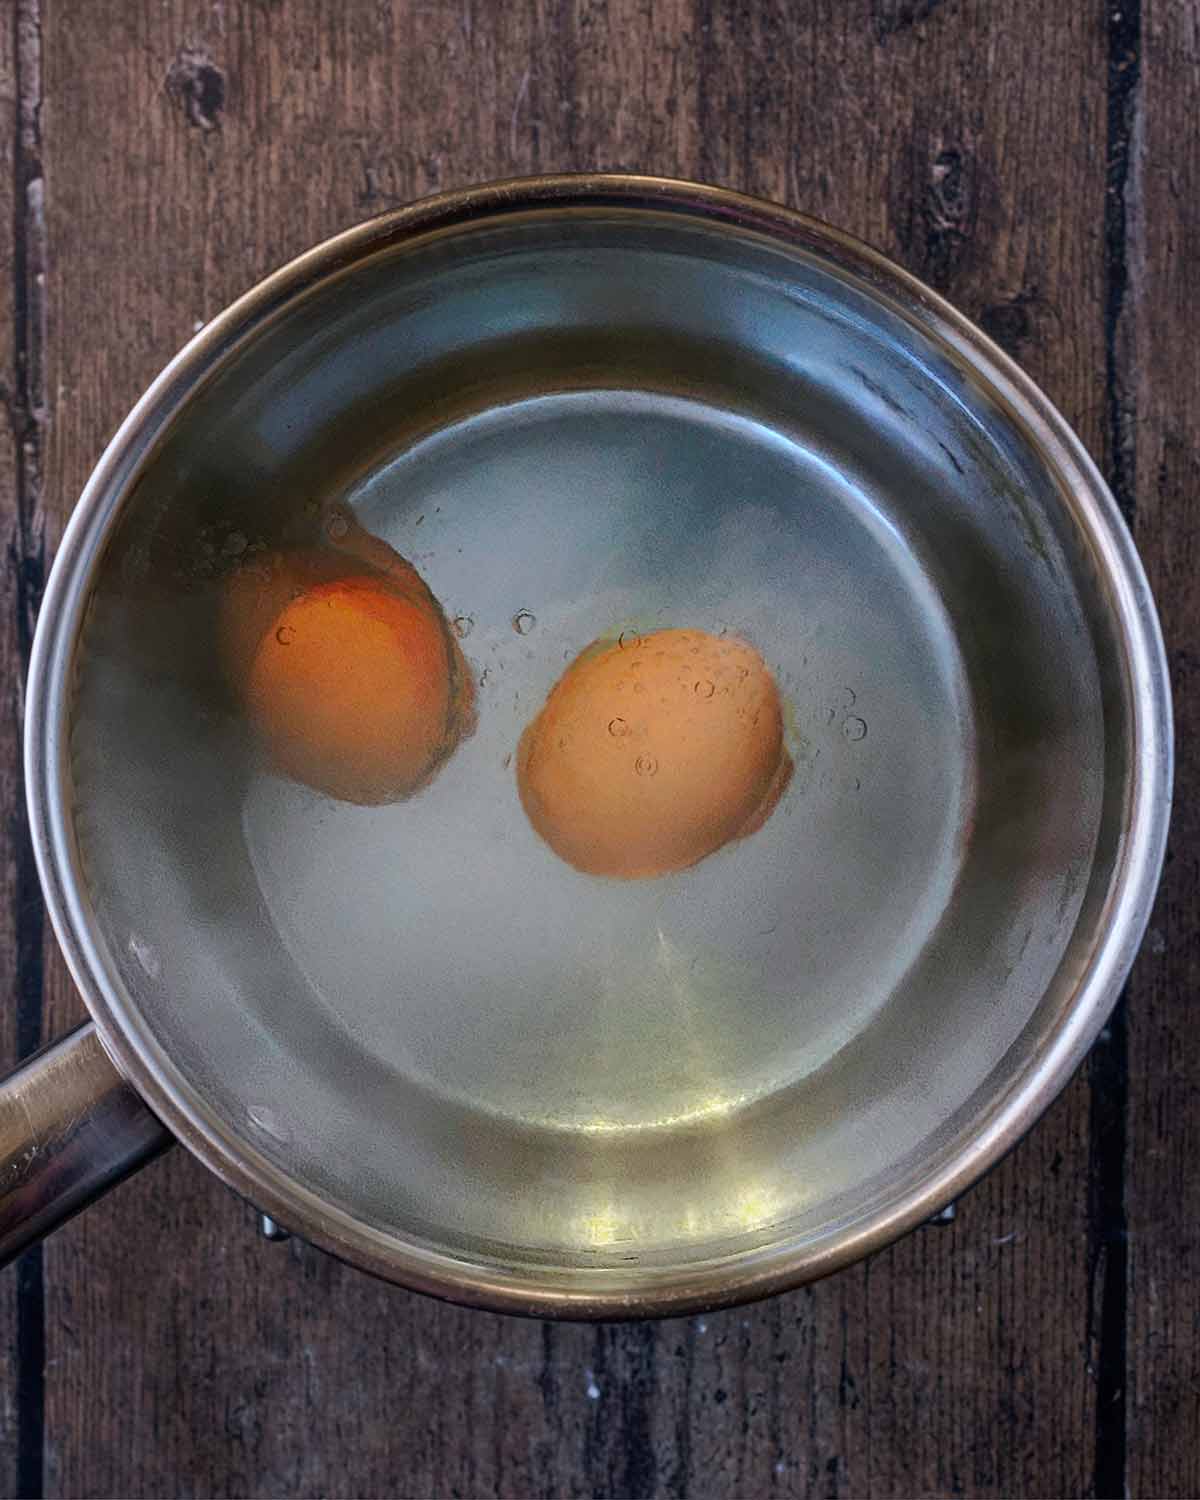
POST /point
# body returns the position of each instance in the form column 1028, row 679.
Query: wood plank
column 192, row 148
column 1160, row 435
column 21, row 1309
column 945, row 1366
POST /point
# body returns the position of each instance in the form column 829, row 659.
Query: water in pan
column 418, row 1010
column 448, row 942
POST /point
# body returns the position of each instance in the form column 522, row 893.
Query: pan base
column 454, row 948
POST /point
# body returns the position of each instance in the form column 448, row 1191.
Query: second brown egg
column 653, row 751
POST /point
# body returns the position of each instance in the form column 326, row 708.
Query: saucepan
column 424, row 1027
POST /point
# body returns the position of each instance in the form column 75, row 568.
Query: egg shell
column 350, row 677
column 653, row 751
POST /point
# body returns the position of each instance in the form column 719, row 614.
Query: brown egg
column 652, row 752
column 350, row 677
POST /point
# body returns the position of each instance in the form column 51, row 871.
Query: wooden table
column 1039, row 163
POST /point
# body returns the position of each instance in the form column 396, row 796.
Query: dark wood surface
column 1040, row 164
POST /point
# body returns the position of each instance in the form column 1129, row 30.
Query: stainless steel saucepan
column 411, row 1033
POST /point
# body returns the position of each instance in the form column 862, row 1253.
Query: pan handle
column 70, row 1127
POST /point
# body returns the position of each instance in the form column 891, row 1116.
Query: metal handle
column 70, row 1127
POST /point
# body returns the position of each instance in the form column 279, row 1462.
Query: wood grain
column 1160, row 435
column 191, row 147
column 22, row 1317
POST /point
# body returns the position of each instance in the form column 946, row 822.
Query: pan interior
column 574, row 425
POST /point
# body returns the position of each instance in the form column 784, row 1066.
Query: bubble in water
column 855, row 728
column 705, row 689
column 618, row 728
column 285, row 635
column 311, row 507
column 463, row 626
column 337, row 526
column 507, row 760
column 645, row 765
column 234, row 544
column 523, row 622
column 628, row 638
